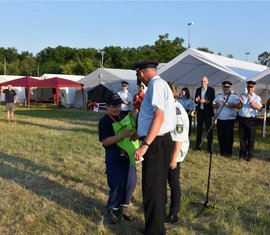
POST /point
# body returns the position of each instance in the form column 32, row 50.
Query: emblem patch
column 178, row 111
column 179, row 128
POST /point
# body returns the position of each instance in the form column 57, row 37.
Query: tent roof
column 188, row 68
column 111, row 79
column 74, row 78
column 263, row 77
column 22, row 82
column 58, row 82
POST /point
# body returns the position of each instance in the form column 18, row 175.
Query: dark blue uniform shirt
column 113, row 159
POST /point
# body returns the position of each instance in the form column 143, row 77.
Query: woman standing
column 188, row 104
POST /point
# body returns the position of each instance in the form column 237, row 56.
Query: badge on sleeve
column 179, row 128
column 178, row 111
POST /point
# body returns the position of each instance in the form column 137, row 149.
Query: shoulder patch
column 179, row 128
column 178, row 111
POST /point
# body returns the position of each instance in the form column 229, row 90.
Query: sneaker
column 125, row 214
column 112, row 216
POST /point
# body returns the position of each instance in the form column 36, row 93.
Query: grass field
column 52, row 181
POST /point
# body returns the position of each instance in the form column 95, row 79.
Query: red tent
column 26, row 82
column 57, row 83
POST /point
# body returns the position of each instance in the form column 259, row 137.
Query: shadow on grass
column 71, row 129
column 62, row 114
column 28, row 164
column 89, row 206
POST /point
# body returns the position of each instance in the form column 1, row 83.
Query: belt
column 143, row 137
column 247, row 117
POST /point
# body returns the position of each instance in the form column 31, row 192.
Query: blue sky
column 229, row 27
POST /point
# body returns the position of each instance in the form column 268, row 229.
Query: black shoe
column 229, row 155
column 249, row 157
column 171, row 219
column 125, row 214
column 112, row 216
column 241, row 156
column 197, row 148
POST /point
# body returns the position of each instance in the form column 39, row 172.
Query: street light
column 247, row 53
column 189, row 24
column 102, row 57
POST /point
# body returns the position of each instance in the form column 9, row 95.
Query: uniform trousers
column 154, row 183
column 122, row 185
column 247, row 133
column 225, row 136
column 203, row 117
column 174, row 183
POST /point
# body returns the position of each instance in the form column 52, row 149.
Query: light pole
column 102, row 57
column 247, row 53
column 189, row 24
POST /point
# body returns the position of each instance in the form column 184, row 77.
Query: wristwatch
column 144, row 143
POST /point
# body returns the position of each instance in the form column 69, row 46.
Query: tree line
column 66, row 60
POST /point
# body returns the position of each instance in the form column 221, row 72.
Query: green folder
column 129, row 146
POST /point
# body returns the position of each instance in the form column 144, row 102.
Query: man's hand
column 173, row 164
column 140, row 152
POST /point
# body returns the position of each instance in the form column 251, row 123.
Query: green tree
column 167, row 49
column 264, row 58
column 205, row 49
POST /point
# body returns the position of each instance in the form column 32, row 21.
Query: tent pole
column 264, row 118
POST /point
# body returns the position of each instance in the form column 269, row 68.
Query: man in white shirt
column 126, row 97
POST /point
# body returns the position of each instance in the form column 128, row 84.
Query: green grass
column 52, row 181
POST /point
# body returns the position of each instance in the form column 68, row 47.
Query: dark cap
column 114, row 99
column 124, row 83
column 251, row 83
column 146, row 64
column 226, row 84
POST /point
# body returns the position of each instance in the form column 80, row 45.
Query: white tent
column 263, row 79
column 67, row 94
column 102, row 81
column 188, row 68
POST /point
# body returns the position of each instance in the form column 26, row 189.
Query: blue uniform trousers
column 225, row 136
column 247, row 133
column 122, row 185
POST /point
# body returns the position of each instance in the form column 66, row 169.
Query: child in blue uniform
column 121, row 178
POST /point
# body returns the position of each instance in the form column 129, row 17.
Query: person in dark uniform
column 204, row 97
column 225, row 103
column 117, row 166
column 10, row 100
column 155, row 122
column 249, row 105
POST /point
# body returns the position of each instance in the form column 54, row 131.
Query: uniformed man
column 155, row 122
column 126, row 97
column 249, row 105
column 225, row 103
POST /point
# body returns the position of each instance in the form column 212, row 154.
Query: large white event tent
column 102, row 81
column 263, row 79
column 189, row 67
column 67, row 94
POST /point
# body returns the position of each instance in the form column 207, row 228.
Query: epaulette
column 178, row 111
